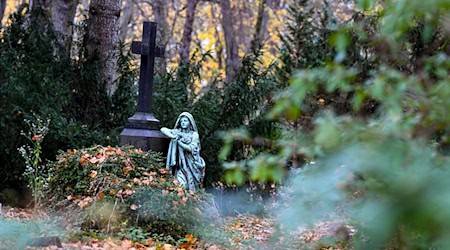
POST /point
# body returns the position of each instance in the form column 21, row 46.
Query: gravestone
column 142, row 129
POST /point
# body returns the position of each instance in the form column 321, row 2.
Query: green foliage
column 305, row 44
column 34, row 171
column 176, row 213
column 31, row 79
column 114, row 188
column 93, row 107
column 100, row 172
column 392, row 190
column 219, row 106
column 383, row 162
column 311, row 41
column 64, row 89
column 135, row 234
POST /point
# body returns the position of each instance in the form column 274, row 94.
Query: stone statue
column 183, row 157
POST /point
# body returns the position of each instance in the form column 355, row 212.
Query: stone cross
column 142, row 129
column 148, row 51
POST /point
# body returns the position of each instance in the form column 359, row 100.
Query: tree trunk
column 102, row 38
column 187, row 32
column 232, row 60
column 2, row 10
column 219, row 43
column 39, row 4
column 261, row 25
column 63, row 14
column 160, row 11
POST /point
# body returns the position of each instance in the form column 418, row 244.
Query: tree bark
column 232, row 60
column 219, row 44
column 187, row 32
column 63, row 14
column 39, row 4
column 260, row 28
column 102, row 38
column 2, row 10
column 160, row 12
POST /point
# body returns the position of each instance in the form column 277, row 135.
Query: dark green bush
column 60, row 88
column 31, row 80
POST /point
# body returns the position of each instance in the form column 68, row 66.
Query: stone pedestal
column 142, row 131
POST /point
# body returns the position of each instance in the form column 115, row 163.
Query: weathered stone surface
column 145, row 139
column 183, row 156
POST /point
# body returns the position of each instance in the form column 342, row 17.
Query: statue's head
column 186, row 121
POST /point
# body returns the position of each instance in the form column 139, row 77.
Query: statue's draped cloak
column 186, row 165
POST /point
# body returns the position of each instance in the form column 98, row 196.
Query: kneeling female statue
column 183, row 157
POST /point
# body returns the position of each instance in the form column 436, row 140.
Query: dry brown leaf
column 100, row 196
column 83, row 160
column 126, row 244
column 168, row 247
column 93, row 174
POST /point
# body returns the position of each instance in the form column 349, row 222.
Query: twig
column 110, row 217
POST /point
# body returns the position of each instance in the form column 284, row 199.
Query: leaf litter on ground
column 248, row 231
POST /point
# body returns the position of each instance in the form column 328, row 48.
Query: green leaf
column 358, row 100
column 292, row 113
column 366, row 4
column 340, row 40
column 327, row 133
column 235, row 176
column 427, row 33
column 226, row 149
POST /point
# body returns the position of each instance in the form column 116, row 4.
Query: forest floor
column 246, row 231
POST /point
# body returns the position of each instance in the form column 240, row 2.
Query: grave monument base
column 142, row 131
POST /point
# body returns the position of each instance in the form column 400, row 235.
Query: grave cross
column 142, row 129
column 148, row 51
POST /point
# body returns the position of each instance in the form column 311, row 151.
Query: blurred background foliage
column 376, row 145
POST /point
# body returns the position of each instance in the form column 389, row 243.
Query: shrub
column 100, row 172
column 64, row 89
column 31, row 79
column 113, row 188
column 176, row 212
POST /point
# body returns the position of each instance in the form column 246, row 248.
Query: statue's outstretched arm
column 169, row 132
